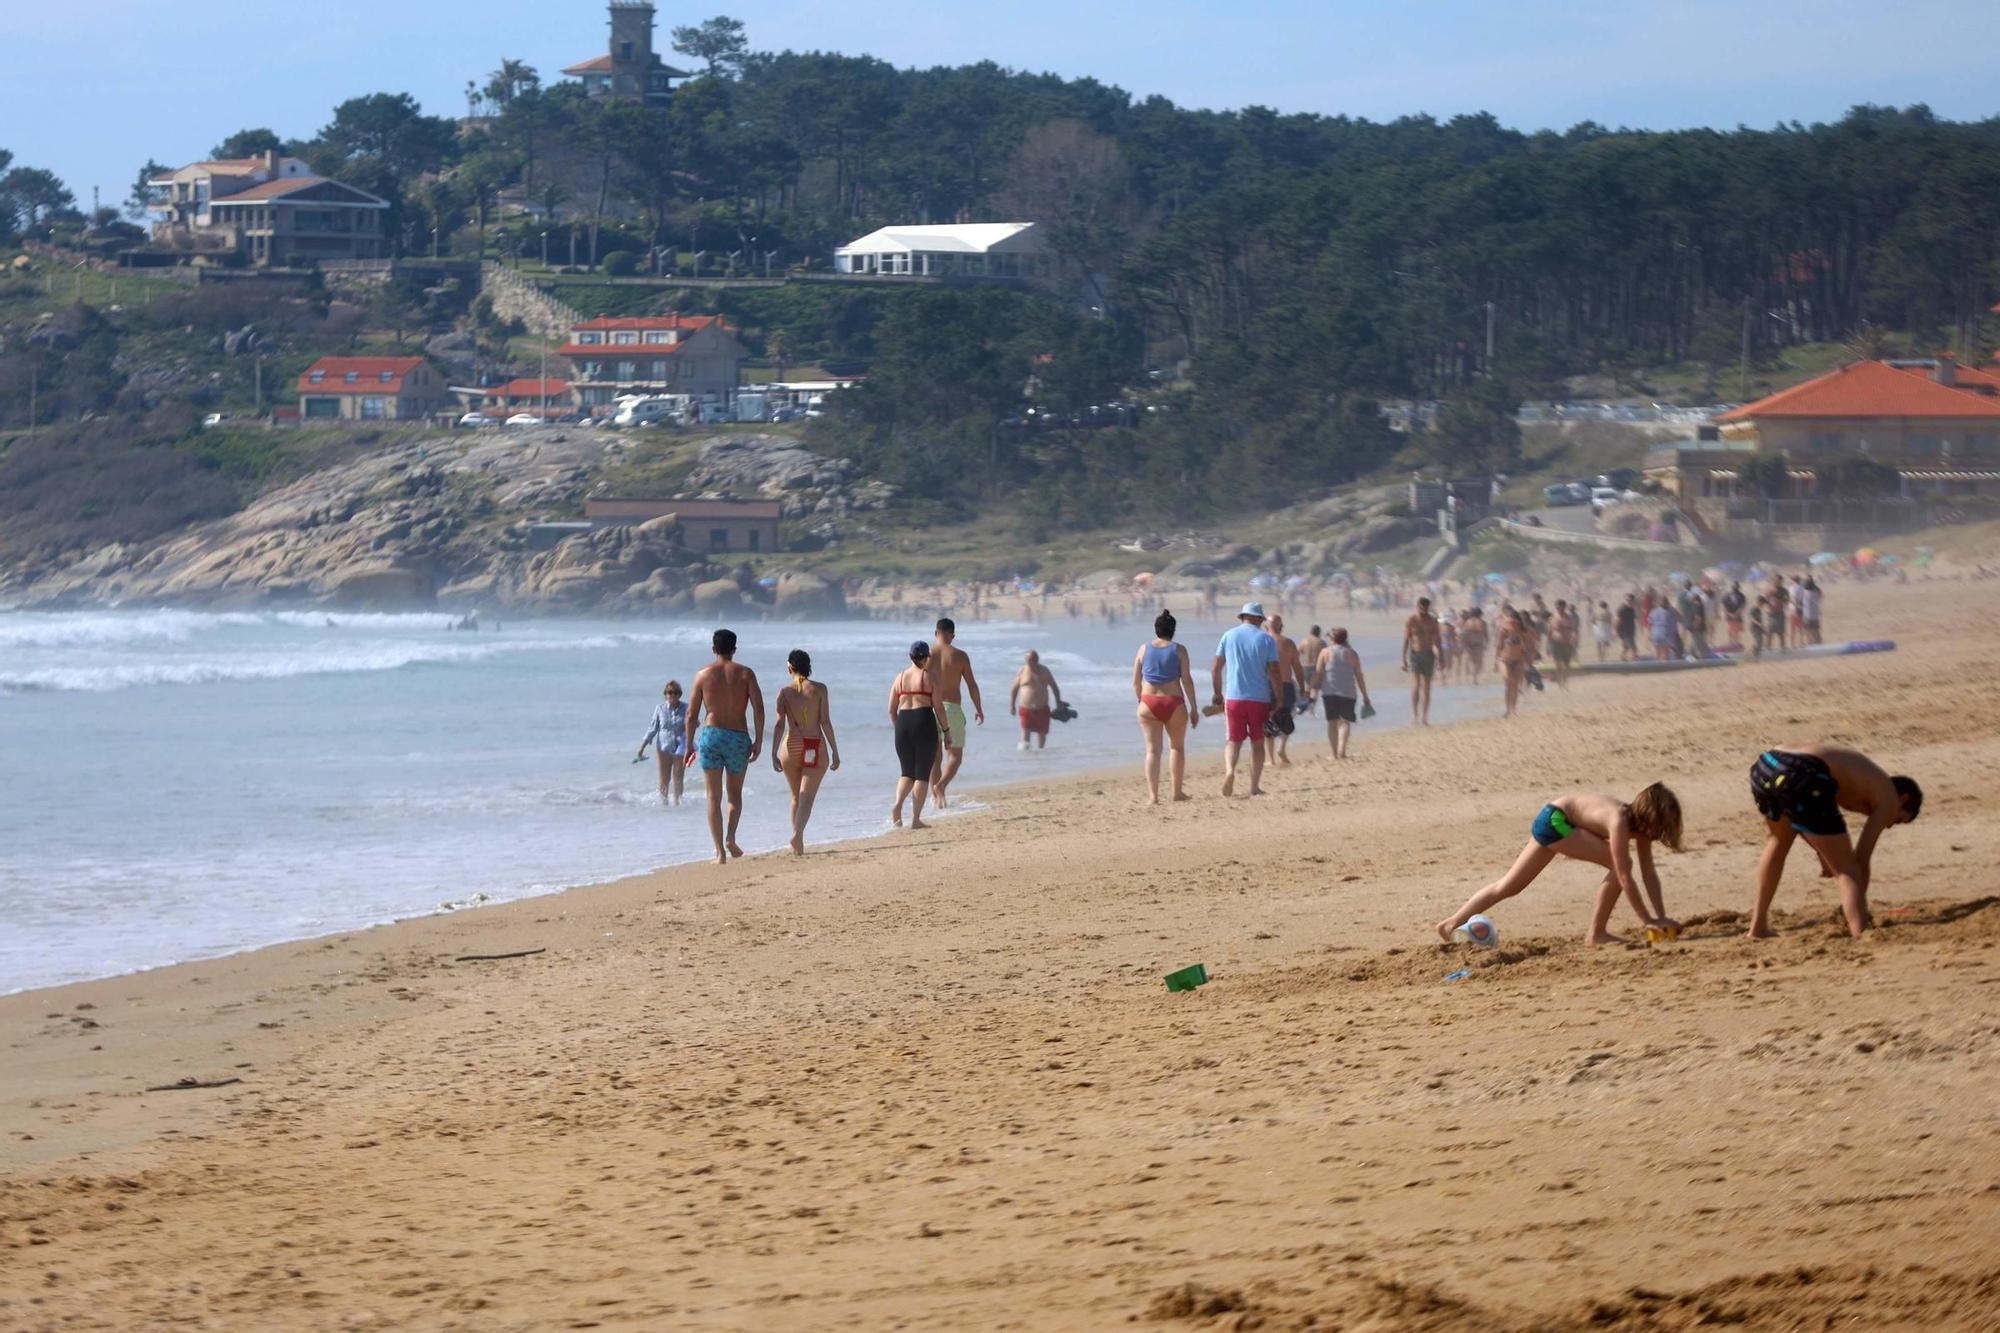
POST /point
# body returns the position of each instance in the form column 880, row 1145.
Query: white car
column 1605, row 495
column 525, row 419
column 478, row 419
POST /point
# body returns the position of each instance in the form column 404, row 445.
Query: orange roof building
column 369, row 388
column 1916, row 413
column 613, row 357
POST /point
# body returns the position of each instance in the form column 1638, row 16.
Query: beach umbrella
column 1867, row 555
column 1824, row 558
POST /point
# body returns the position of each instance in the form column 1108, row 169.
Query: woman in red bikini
column 802, row 744
column 1164, row 682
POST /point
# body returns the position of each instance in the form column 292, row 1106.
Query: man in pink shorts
column 1245, row 676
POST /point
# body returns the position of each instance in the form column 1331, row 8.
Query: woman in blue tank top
column 1164, row 683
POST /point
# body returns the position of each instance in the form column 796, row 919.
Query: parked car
column 1605, row 495
column 1619, row 478
column 1562, row 493
column 478, row 419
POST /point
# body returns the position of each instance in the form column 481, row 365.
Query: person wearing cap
column 1246, row 679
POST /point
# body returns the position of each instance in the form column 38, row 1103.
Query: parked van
column 650, row 410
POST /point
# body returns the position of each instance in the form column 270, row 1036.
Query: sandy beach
column 934, row 1080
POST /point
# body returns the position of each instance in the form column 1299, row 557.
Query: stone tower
column 631, row 46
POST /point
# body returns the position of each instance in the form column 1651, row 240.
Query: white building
column 968, row 249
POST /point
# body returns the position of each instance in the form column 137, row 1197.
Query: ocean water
column 182, row 784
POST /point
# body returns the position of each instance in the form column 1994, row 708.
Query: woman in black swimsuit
column 918, row 717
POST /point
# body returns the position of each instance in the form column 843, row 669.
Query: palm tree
column 513, row 78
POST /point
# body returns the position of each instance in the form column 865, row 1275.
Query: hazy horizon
column 1642, row 66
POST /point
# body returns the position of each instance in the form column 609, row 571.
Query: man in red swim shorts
column 1245, row 675
column 1029, row 699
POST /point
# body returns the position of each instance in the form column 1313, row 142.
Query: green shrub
column 621, row 264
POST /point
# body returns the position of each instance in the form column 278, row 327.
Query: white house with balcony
column 954, row 250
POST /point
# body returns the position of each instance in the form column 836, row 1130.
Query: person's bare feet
column 722, row 858
column 1182, row 796
column 1595, row 938
column 798, row 844
column 1444, row 929
column 734, row 850
column 1229, row 785
column 896, row 816
column 916, row 823
column 1760, row 933
column 1256, row 791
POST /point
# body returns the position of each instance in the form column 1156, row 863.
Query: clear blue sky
column 94, row 87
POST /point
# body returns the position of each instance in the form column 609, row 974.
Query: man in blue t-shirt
column 1245, row 676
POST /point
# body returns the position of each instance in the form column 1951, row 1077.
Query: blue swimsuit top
column 1161, row 666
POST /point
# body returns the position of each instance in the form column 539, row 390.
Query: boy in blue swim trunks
column 1604, row 831
column 1800, row 791
column 725, row 746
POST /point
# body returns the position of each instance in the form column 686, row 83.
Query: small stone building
column 735, row 527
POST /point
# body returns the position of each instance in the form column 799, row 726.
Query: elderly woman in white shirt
column 668, row 736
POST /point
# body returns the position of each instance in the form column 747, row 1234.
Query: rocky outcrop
column 823, row 495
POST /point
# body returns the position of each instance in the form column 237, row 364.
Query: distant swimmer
column 1163, row 678
column 1245, row 679
column 1338, row 678
column 1420, row 648
column 917, row 717
column 725, row 691
column 1800, row 791
column 954, row 670
column 1028, row 700
column 668, row 737
column 1603, row 831
column 803, row 746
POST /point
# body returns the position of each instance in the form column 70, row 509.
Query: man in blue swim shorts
column 724, row 691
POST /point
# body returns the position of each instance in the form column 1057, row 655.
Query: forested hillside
column 1287, row 272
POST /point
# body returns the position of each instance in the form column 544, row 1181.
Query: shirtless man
column 1420, row 645
column 726, row 748
column 954, row 670
column 1029, row 699
column 1310, row 647
column 1563, row 632
column 1800, row 791
column 1292, row 682
column 1472, row 638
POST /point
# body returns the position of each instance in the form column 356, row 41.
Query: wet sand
column 935, row 1080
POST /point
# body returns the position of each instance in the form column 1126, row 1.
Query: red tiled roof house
column 1935, row 421
column 370, row 388
column 614, row 356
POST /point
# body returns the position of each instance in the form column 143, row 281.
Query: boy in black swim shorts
column 1800, row 790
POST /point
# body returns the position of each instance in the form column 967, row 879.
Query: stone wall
column 514, row 297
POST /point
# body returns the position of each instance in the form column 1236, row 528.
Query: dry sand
column 935, row 1081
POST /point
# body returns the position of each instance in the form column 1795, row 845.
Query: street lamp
column 545, row 249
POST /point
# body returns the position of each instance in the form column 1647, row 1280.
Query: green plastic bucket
column 1188, row 978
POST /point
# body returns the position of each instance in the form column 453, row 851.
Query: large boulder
column 809, row 597
column 718, row 595
column 372, row 584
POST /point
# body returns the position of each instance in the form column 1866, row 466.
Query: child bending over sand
column 1603, row 831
